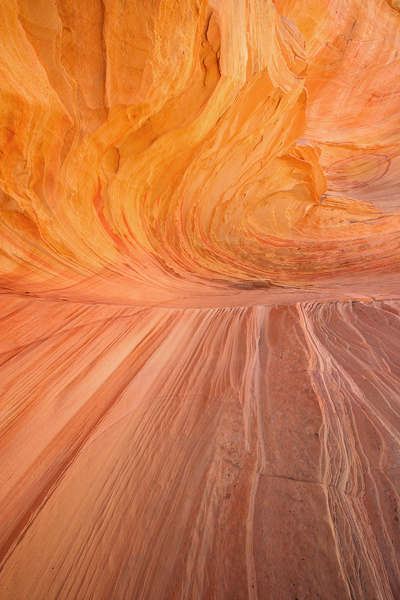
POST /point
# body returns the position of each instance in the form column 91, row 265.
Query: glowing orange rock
column 200, row 235
column 140, row 162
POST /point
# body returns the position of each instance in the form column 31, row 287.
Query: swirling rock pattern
column 200, row 300
column 154, row 150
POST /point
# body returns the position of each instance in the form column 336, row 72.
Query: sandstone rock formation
column 200, row 307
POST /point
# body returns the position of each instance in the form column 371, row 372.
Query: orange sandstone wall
column 215, row 453
column 200, row 299
column 151, row 150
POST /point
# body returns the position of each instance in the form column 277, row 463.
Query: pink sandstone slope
column 200, row 300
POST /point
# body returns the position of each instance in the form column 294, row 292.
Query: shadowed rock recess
column 200, row 299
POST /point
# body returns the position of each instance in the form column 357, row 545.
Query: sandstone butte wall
column 200, row 299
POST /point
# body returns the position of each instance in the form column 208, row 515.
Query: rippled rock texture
column 151, row 150
column 200, row 299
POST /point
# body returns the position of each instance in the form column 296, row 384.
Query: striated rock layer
column 220, row 453
column 151, row 150
column 200, row 299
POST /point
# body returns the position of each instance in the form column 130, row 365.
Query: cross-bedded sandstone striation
column 154, row 149
column 200, row 314
column 215, row 453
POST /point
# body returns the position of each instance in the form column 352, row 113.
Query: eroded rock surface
column 215, row 453
column 200, row 307
column 154, row 150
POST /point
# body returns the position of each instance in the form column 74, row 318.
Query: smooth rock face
column 215, row 453
column 200, row 300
